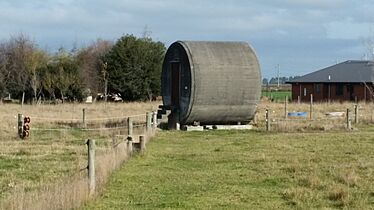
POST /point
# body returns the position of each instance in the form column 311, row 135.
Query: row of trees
column 274, row 80
column 131, row 67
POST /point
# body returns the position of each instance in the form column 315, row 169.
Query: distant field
column 277, row 95
column 247, row 170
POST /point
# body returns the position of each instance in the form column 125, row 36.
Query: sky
column 301, row 36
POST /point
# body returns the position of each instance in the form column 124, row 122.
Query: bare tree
column 37, row 60
column 20, row 60
column 63, row 73
column 91, row 65
column 3, row 68
column 368, row 43
column 18, row 52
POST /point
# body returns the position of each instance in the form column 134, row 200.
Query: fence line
column 139, row 125
column 55, row 119
column 88, row 129
column 87, row 119
column 111, row 118
column 320, row 118
column 103, row 129
column 76, row 189
column 54, row 129
column 307, row 120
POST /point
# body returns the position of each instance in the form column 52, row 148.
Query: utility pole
column 278, row 67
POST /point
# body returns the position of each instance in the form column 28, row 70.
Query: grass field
column 277, row 95
column 247, row 170
column 55, row 155
column 50, row 164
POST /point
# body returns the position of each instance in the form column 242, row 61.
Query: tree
column 134, row 67
column 20, row 61
column 3, row 68
column 282, row 80
column 60, row 79
column 90, row 60
column 18, row 64
column 368, row 43
column 37, row 60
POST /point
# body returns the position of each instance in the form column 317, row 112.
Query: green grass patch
column 277, row 95
column 246, row 170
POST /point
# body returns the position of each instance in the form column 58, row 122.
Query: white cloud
column 348, row 29
column 288, row 24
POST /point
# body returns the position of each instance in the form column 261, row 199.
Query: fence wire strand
column 87, row 119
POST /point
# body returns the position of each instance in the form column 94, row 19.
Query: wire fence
column 54, row 118
column 117, row 138
column 314, row 116
column 85, row 124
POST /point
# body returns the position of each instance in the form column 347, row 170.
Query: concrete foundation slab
column 193, row 128
column 233, row 127
column 217, row 127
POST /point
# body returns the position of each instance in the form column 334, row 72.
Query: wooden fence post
column 142, row 144
column 311, row 106
column 23, row 98
column 20, row 125
column 356, row 114
column 129, row 145
column 129, row 126
column 267, row 120
column 349, row 125
column 148, row 121
column 154, row 118
column 91, row 166
column 84, row 117
column 285, row 107
column 298, row 99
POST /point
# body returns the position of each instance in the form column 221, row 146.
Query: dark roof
column 348, row 72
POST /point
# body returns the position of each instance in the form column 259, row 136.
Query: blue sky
column 299, row 35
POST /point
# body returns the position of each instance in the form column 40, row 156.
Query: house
column 347, row 81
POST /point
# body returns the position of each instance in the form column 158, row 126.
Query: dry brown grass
column 68, row 193
column 65, row 194
column 319, row 122
column 298, row 195
column 349, row 178
column 311, row 181
column 47, row 170
column 339, row 194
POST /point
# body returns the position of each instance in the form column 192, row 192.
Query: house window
column 317, row 88
column 304, row 91
column 339, row 89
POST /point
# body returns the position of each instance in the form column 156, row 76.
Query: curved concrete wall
column 220, row 81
